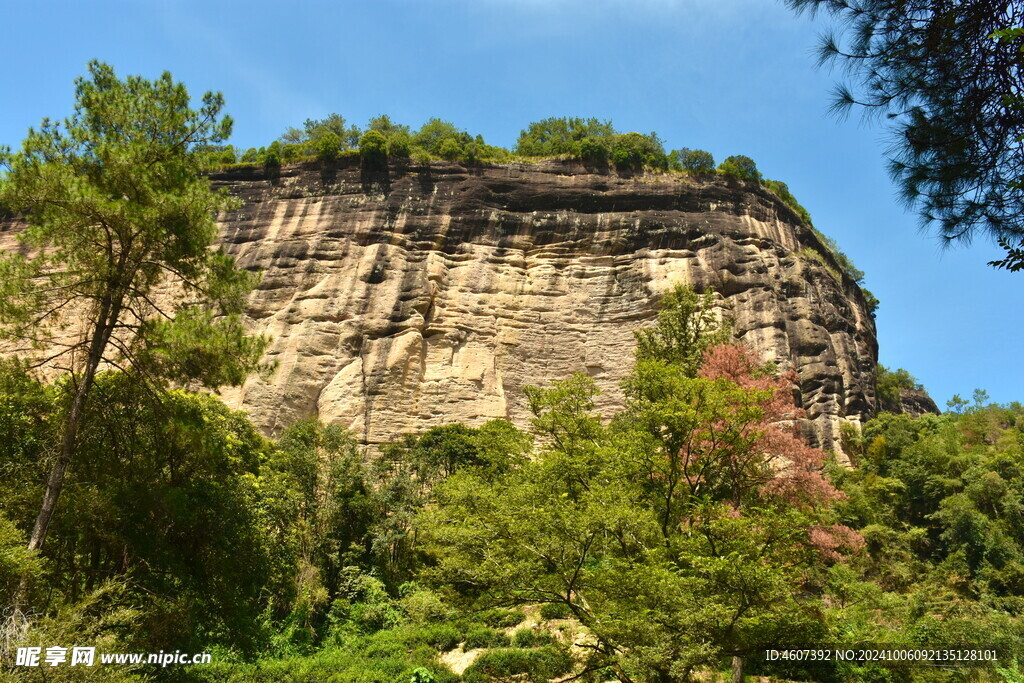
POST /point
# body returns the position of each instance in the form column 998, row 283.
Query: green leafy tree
column 314, row 129
column 327, row 146
column 634, row 151
column 687, row 529
column 373, row 149
column 740, row 167
column 410, row 469
column 386, row 126
column 696, row 161
column 271, row 156
column 449, row 149
column 686, row 328
column 116, row 206
column 330, row 527
column 938, row 502
column 566, row 135
column 889, row 383
column 436, row 134
column 594, row 150
column 947, row 79
column 166, row 502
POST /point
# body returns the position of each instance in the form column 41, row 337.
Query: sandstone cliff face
column 416, row 297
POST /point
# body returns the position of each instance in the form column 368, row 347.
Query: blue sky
column 729, row 76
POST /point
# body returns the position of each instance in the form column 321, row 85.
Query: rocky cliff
column 412, row 297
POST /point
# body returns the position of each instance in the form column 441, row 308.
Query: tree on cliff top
column 948, row 77
column 116, row 207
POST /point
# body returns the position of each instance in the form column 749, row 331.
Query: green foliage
column 844, row 261
column 399, row 654
column 422, row 675
column 781, row 190
column 740, row 168
column 536, row 666
column 531, row 637
column 117, row 206
column 588, row 139
column 399, row 145
column 313, row 130
column 104, row 619
column 373, row 149
column 398, row 141
column 420, row 156
column 384, row 125
column 695, row 161
column 666, row 534
column 594, row 141
column 16, row 561
column 271, row 156
column 939, row 502
column 634, row 151
column 871, row 300
column 196, row 461
column 687, row 326
column 218, row 156
column 432, row 135
column 443, row 139
column 502, row 618
column 1012, row 673
column 594, row 150
column 327, row 146
column 484, row 636
column 449, row 149
column 888, row 384
column 555, row 610
column 947, row 82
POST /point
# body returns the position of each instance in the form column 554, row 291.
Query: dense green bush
column 502, row 618
column 271, row 157
column 221, row 155
column 484, row 636
column 695, row 161
column 373, row 149
column 327, row 146
column 531, row 637
column 634, row 151
column 555, row 610
column 535, row 665
column 938, row 500
column 888, row 384
column 740, row 168
column 442, row 637
column 449, row 149
column 566, row 135
column 594, row 150
column 399, row 145
column 313, row 129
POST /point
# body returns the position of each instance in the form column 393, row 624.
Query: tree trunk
column 55, row 482
column 109, row 312
column 737, row 669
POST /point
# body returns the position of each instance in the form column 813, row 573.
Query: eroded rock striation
column 415, row 296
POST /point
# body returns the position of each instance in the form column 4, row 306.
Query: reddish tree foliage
column 791, row 469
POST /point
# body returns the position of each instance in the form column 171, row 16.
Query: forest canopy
column 685, row 534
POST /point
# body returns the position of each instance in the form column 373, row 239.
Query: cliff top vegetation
column 594, row 142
